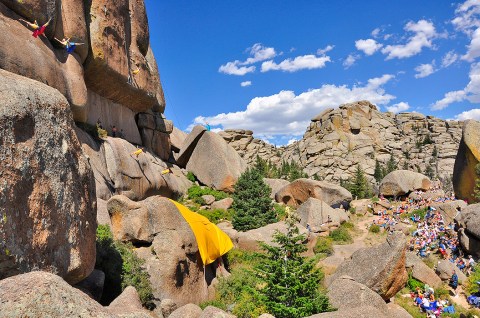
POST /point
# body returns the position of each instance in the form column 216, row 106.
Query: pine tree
column 378, row 173
column 251, row 202
column 391, row 164
column 261, row 166
column 476, row 189
column 291, row 281
column 359, row 186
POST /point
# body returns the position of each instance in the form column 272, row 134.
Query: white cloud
column 376, row 32
column 424, row 32
column 232, row 68
column 258, row 53
column 466, row 16
column 449, row 58
column 291, row 141
column 368, row 46
column 288, row 114
column 299, row 63
column 246, row 83
column 328, row 48
column 474, row 47
column 469, row 114
column 424, row 70
column 397, row 108
column 350, row 60
column 449, row 98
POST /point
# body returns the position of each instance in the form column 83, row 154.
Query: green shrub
column 191, row 176
column 197, row 191
column 215, row 303
column 251, row 202
column 280, row 211
column 217, row 215
column 352, row 210
column 375, row 199
column 244, row 258
column 348, row 225
column 413, row 283
column 199, row 200
column 471, row 285
column 441, row 292
column 341, row 235
column 324, row 245
column 122, row 268
column 374, row 228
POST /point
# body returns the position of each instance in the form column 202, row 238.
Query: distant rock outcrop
column 319, row 215
column 48, row 207
column 357, row 133
column 468, row 157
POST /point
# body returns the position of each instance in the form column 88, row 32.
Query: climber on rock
column 37, row 30
column 69, row 45
column 168, row 170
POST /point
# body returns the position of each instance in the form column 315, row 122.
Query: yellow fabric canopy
column 212, row 242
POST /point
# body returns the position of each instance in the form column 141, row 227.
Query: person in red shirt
column 37, row 30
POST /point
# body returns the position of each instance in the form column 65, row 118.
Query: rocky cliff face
column 111, row 78
column 357, row 133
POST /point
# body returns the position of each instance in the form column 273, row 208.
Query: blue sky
column 270, row 66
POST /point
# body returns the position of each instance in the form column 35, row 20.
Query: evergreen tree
column 359, row 186
column 261, row 166
column 378, row 173
column 291, row 281
column 476, row 189
column 251, row 202
column 391, row 164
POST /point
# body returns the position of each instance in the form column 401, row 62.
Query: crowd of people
column 430, row 234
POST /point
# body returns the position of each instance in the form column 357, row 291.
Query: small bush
column 191, row 176
column 280, row 211
column 324, row 245
column 215, row 303
column 341, row 235
column 199, row 200
column 217, row 215
column 441, row 292
column 348, row 225
column 472, row 286
column 413, row 283
column 375, row 199
column 122, row 268
column 352, row 210
column 242, row 257
column 374, row 228
column 197, row 191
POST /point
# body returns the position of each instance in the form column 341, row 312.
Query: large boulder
column 187, row 311
column 41, row 294
column 275, row 185
column 402, row 182
column 215, row 163
column 119, row 66
column 468, row 222
column 421, row 271
column 345, row 293
column 445, row 270
column 223, row 204
column 127, row 302
column 249, row 240
column 297, row 192
column 468, row 157
column 168, row 246
column 449, row 210
column 177, row 137
column 318, row 214
column 48, row 204
column 428, row 195
column 214, row 312
column 381, row 268
column 40, row 61
column 358, row 312
column 188, row 145
column 362, row 206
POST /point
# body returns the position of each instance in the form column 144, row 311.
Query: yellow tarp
column 212, row 242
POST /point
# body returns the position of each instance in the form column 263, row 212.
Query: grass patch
column 471, row 285
column 197, row 192
column 323, row 247
column 374, row 228
column 218, row 215
column 341, row 236
column 420, row 212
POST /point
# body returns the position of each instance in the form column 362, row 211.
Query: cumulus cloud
column 257, row 52
column 328, row 48
column 368, row 46
column 299, row 63
column 397, row 108
column 449, row 58
column 376, row 32
column 246, row 83
column 466, row 16
column 424, row 33
column 473, row 49
column 234, row 68
column 470, row 93
column 469, row 114
column 288, row 114
column 424, row 70
column 350, row 60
